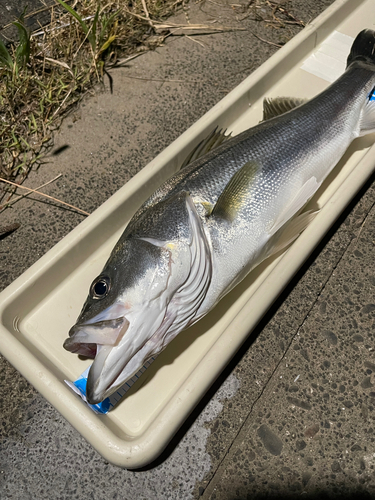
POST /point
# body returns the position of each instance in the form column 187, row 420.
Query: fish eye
column 100, row 287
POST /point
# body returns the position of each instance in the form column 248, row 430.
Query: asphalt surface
column 293, row 413
column 36, row 14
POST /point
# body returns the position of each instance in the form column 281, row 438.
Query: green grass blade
column 26, row 143
column 107, row 44
column 92, row 34
column 33, row 125
column 6, row 60
column 16, row 141
column 106, row 22
column 75, row 15
column 23, row 49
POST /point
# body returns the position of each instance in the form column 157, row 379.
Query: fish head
column 143, row 297
column 126, row 304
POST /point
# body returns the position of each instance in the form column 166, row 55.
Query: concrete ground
column 293, row 413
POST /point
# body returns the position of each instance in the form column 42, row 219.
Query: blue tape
column 79, row 387
column 102, row 407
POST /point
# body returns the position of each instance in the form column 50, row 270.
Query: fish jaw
column 114, row 365
column 84, row 338
column 117, row 344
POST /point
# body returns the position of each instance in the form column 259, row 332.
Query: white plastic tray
column 38, row 309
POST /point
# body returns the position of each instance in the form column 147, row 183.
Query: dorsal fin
column 275, row 106
column 236, row 191
column 212, row 141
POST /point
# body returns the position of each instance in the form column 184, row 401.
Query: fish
column 204, row 229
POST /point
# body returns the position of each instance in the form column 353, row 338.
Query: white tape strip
column 329, row 61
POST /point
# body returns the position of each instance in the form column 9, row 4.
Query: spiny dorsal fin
column 275, row 106
column 212, row 141
column 236, row 191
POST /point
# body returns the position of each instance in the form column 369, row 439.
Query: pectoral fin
column 299, row 200
column 279, row 105
column 236, row 192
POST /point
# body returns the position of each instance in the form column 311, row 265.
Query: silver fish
column 205, row 228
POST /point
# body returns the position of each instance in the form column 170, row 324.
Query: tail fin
column 363, row 48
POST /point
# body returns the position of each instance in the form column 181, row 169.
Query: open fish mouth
column 115, row 363
column 88, row 350
column 85, row 339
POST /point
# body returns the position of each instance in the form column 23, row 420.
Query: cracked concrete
column 292, row 414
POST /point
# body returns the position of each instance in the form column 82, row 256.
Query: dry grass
column 48, row 71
